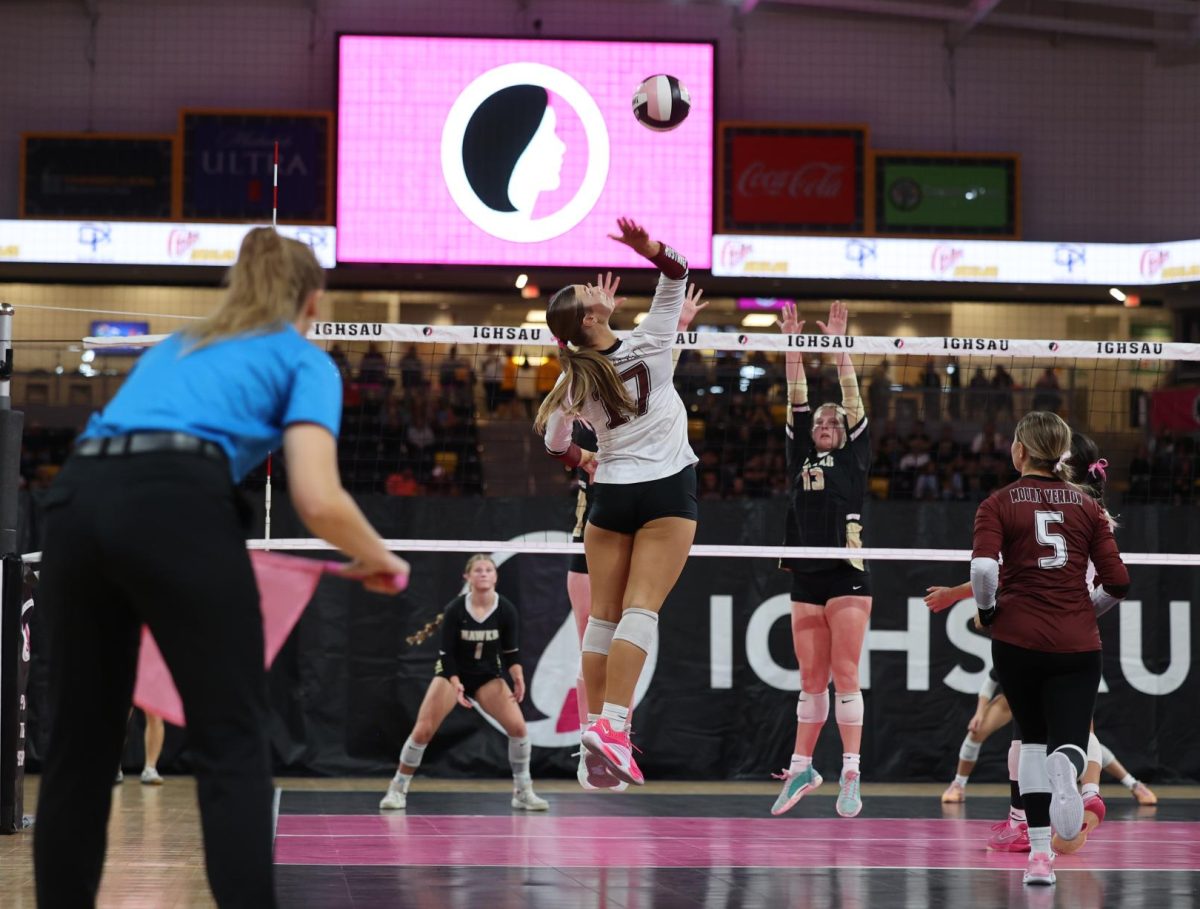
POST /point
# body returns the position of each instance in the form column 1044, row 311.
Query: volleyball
column 661, row 103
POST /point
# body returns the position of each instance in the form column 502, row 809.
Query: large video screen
column 464, row 151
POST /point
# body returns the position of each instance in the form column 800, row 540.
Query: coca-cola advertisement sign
column 792, row 178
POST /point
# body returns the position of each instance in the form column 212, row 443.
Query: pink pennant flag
column 285, row 585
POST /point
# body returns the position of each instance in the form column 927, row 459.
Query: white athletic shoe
column 150, row 777
column 395, row 800
column 1066, row 804
column 593, row 774
column 526, row 799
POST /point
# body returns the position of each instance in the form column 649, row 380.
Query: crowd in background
column 411, row 425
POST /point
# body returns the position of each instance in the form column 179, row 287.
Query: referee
column 144, row 525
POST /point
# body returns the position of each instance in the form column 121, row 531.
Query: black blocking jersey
column 481, row 647
column 826, row 493
column 585, row 437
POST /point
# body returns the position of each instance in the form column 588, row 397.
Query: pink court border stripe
column 520, row 841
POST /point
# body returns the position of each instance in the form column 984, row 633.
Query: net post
column 14, row 655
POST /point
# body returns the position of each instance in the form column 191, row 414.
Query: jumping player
column 579, row 590
column 828, row 455
column 1045, row 641
column 643, row 517
column 479, row 641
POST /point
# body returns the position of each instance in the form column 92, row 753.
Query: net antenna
column 274, row 225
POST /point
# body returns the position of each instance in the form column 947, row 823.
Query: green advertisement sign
column 946, row 195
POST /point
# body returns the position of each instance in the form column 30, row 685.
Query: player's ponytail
column 1090, row 469
column 1047, row 440
column 421, row 635
column 587, row 374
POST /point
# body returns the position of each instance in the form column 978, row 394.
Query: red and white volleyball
column 661, row 103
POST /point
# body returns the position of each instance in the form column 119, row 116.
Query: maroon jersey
column 1046, row 532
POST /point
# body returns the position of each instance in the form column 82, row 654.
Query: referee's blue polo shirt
column 240, row 392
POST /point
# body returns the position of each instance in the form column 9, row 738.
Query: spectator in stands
column 372, row 368
column 988, row 440
column 341, row 361
column 931, row 381
column 492, row 374
column 1139, row 474
column 947, row 448
column 1002, row 391
column 455, row 371
column 880, row 391
column 978, row 394
column 954, row 380
column 1046, row 392
column 403, row 483
column 954, row 481
column 412, row 372
column 929, row 484
column 508, row 384
column 547, row 376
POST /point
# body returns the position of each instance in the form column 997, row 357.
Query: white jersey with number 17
column 650, row 443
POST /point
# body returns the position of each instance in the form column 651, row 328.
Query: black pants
column 1052, row 696
column 153, row 538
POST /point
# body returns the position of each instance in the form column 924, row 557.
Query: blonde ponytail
column 266, row 288
column 587, row 375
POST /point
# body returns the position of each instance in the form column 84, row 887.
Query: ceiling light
column 522, row 280
column 1117, row 294
column 758, row 320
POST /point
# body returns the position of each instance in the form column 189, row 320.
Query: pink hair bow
column 1098, row 468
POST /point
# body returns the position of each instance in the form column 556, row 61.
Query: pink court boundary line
column 517, row 841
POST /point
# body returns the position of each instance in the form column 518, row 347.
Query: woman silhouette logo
column 500, row 150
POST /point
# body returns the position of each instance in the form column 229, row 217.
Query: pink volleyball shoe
column 1007, row 838
column 616, row 750
column 1040, row 869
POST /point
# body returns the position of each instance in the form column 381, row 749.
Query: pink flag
column 285, row 585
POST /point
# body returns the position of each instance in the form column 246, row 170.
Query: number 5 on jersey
column 1054, row 540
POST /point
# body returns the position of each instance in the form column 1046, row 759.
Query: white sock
column 522, row 780
column 850, row 762
column 1128, row 781
column 961, row 780
column 1039, row 839
column 800, row 763
column 1016, row 817
column 1090, row 789
column 616, row 716
column 400, row 781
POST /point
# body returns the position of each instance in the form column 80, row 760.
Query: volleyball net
column 446, row 410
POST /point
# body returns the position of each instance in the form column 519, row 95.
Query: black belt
column 136, row 443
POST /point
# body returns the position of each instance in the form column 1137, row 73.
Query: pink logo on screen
column 1153, row 261
column 504, row 148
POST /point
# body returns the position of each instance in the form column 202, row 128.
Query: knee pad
column 519, row 750
column 639, row 627
column 598, row 636
column 813, row 707
column 1077, row 756
column 1032, row 773
column 849, row 709
column 1014, row 760
column 1093, row 749
column 412, row 753
column 969, row 750
column 1106, row 756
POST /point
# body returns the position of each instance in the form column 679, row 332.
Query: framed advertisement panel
column 792, row 178
column 97, row 175
column 948, row 195
column 226, row 159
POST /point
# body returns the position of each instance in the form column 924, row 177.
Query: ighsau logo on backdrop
column 500, row 151
column 552, row 672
